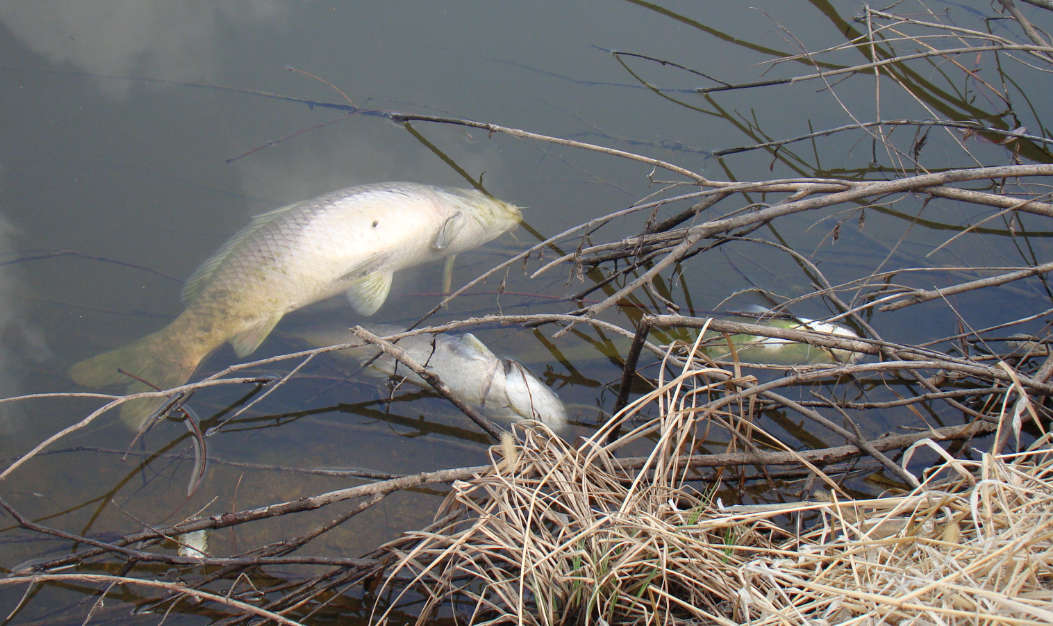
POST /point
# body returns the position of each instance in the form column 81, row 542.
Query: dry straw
column 556, row 534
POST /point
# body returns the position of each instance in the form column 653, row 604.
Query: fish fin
column 755, row 308
column 160, row 359
column 472, row 342
column 448, row 231
column 447, row 274
column 204, row 273
column 368, row 294
column 246, row 342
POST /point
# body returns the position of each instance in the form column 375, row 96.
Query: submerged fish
column 761, row 349
column 504, row 389
column 350, row 240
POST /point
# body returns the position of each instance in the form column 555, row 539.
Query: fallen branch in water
column 435, row 381
column 924, row 295
column 308, row 503
column 244, row 607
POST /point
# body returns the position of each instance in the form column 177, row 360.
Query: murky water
column 138, row 136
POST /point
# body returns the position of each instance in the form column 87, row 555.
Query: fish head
column 530, row 399
column 482, row 218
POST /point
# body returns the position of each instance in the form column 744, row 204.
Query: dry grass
column 560, row 534
column 975, row 546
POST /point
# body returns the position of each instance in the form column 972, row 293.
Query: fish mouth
column 489, row 208
column 496, row 217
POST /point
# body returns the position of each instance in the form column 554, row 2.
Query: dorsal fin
column 204, row 273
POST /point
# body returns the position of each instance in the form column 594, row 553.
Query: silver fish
column 351, row 240
column 504, row 389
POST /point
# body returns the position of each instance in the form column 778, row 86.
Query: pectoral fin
column 246, row 342
column 448, row 231
column 367, row 295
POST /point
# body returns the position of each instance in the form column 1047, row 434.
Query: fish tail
column 157, row 361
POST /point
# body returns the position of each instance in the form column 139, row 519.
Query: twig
column 819, row 455
column 115, row 401
column 309, row 503
column 965, row 125
column 432, row 379
column 570, row 143
column 643, row 327
column 924, row 295
column 154, row 584
column 852, row 437
column 271, row 389
column 694, row 234
column 898, row 60
column 1025, row 24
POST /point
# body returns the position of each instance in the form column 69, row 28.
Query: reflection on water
column 174, row 41
column 22, row 341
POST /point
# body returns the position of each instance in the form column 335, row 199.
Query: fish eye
column 375, row 222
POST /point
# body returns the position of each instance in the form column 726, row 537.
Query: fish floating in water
column 504, row 389
column 761, row 349
column 351, row 240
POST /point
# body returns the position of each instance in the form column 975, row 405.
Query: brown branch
column 430, row 377
column 820, row 455
column 924, row 295
column 1029, row 29
column 1038, row 50
column 174, row 559
column 273, row 510
column 154, row 584
column 570, row 143
column 693, row 235
column 114, row 402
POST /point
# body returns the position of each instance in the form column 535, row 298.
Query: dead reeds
column 556, row 534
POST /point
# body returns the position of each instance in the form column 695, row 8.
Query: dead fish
column 760, row 349
column 504, row 389
column 351, row 240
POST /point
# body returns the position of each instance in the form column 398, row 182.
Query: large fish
column 351, row 240
column 504, row 389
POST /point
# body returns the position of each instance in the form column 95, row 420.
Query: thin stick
column 1036, row 49
column 310, row 503
column 819, row 455
column 432, row 379
column 924, row 295
column 694, row 234
column 154, row 584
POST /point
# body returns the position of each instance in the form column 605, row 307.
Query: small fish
column 503, row 388
column 760, row 349
column 351, row 240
